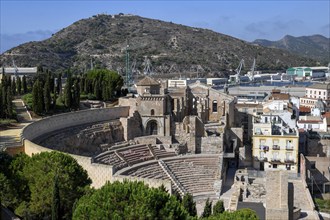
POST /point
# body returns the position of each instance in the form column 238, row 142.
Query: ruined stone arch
column 152, row 127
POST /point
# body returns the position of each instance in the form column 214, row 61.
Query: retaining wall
column 58, row 122
column 99, row 173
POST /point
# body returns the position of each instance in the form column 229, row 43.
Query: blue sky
column 23, row 21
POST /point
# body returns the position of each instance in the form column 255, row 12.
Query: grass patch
column 7, row 121
column 323, row 205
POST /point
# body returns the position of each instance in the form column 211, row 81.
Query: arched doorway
column 152, row 127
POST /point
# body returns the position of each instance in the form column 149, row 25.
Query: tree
column 9, row 104
column 241, row 214
column 2, row 106
column 59, row 84
column 207, row 209
column 218, row 208
column 129, row 200
column 13, row 87
column 47, row 97
column 40, row 172
column 189, row 204
column 37, row 97
column 24, row 85
column 68, row 93
column 56, row 200
column 76, row 94
column 19, row 85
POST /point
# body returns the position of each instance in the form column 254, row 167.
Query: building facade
column 275, row 146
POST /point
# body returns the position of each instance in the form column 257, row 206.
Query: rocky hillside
column 171, row 48
column 316, row 46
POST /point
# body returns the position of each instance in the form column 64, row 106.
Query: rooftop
column 320, row 86
column 148, row 81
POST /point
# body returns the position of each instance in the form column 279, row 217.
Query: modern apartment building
column 274, row 144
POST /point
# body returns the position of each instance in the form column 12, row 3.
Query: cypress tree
column 4, row 99
column 56, row 200
column 19, row 85
column 51, row 82
column 9, row 103
column 13, row 87
column 47, row 97
column 37, row 97
column 68, row 93
column 59, row 84
column 189, row 204
column 76, row 94
column 24, row 85
column 207, row 209
column 218, row 208
column 1, row 103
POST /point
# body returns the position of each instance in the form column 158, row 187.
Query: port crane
column 236, row 78
column 251, row 73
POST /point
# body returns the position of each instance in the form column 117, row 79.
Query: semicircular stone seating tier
column 195, row 175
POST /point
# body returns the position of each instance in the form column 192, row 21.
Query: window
column 152, row 112
column 215, row 106
column 319, row 93
column 274, row 166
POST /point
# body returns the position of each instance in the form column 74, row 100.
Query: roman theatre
column 180, row 137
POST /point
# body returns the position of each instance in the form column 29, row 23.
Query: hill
column 171, row 48
column 315, row 46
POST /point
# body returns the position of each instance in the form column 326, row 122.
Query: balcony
column 289, row 160
column 264, row 147
column 263, row 159
column 289, row 148
column 276, row 160
column 276, row 147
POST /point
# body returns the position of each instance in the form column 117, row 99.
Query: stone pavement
column 11, row 137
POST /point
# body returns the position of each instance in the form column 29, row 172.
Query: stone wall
column 99, row 173
column 211, row 145
column 277, row 195
column 58, row 122
column 154, row 183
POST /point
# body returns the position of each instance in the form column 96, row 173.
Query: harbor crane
column 251, row 73
column 238, row 72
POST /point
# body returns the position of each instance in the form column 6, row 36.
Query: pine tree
column 189, row 204
column 207, row 209
column 218, row 208
column 19, row 85
column 47, row 97
column 56, row 200
column 68, row 93
column 24, row 85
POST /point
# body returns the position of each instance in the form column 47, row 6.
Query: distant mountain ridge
column 315, row 46
column 171, row 48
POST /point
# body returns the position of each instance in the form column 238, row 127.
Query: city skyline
column 23, row 21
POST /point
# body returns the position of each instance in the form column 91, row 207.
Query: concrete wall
column 58, row 122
